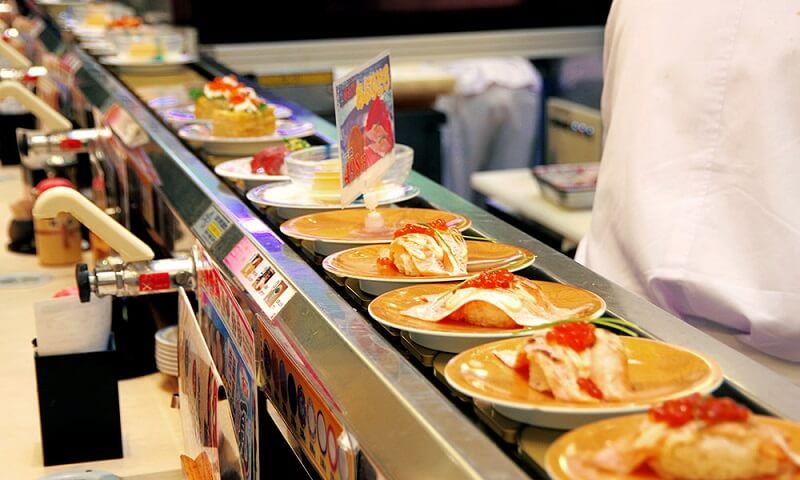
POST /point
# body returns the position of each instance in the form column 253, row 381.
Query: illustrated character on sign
column 355, row 156
column 378, row 131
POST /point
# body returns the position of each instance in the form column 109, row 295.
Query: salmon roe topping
column 219, row 84
column 385, row 262
column 591, row 389
column 489, row 280
column 576, row 335
column 412, row 228
column 439, row 224
column 681, row 411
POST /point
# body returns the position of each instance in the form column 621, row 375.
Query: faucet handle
column 52, row 120
column 62, row 199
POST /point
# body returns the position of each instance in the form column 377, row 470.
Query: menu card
column 364, row 109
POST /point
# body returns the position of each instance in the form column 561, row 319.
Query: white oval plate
column 99, row 47
column 293, row 201
column 166, row 351
column 200, row 133
column 168, row 336
column 148, row 66
column 239, row 169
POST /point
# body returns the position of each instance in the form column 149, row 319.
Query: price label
column 269, row 289
column 210, row 226
column 125, row 127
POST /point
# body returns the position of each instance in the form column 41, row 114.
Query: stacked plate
column 167, row 350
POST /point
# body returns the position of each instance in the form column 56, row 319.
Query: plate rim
column 708, row 385
column 161, row 335
column 287, row 114
column 411, row 192
column 416, row 280
column 362, row 242
column 250, row 177
column 497, row 335
column 307, row 130
column 554, row 452
column 115, row 61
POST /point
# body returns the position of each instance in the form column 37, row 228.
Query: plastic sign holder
column 364, row 108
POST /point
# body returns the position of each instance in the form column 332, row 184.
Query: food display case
column 312, row 371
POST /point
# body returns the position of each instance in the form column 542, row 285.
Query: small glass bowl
column 147, row 44
column 308, row 164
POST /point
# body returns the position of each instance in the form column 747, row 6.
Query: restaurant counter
column 387, row 408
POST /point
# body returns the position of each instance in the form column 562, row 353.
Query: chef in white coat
column 698, row 201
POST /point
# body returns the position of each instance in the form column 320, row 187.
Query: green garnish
column 480, row 239
column 294, row 144
column 196, row 93
column 262, row 107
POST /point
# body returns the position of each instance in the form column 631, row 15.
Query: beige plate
column 595, row 436
column 361, row 263
column 658, row 371
column 453, row 336
column 347, row 226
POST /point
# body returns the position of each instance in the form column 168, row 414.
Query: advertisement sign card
column 199, row 385
column 364, row 109
column 239, row 383
column 212, row 288
column 317, row 430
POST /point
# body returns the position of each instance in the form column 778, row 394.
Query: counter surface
column 151, row 433
column 517, row 190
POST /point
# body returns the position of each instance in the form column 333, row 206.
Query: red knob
column 70, row 144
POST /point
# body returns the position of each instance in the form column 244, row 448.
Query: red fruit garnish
column 576, row 335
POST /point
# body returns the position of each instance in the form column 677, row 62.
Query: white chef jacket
column 698, row 200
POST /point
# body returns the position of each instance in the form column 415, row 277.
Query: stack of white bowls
column 167, row 350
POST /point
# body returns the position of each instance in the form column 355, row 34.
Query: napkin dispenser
column 79, row 407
